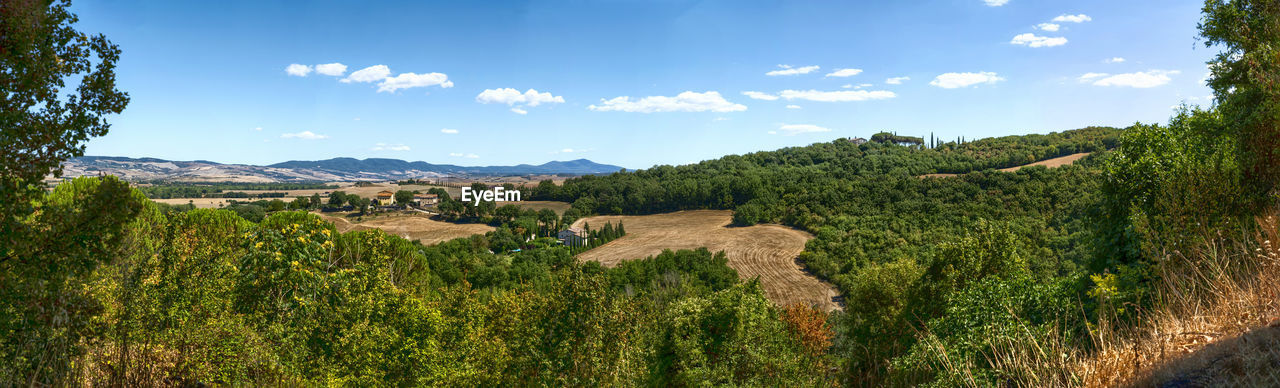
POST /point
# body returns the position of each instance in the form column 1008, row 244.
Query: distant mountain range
column 336, row 169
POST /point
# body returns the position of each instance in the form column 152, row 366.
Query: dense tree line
column 164, row 190
column 206, row 296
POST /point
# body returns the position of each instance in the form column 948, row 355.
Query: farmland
column 411, row 227
column 766, row 251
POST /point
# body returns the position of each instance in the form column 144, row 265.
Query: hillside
column 336, row 169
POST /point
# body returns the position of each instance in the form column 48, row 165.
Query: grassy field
column 412, row 226
column 767, row 251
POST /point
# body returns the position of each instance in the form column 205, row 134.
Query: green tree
column 403, row 197
column 337, row 198
column 315, row 201
column 43, row 123
column 1245, row 77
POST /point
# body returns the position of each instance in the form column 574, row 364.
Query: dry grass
column 1218, row 325
column 411, row 226
column 767, row 251
column 1215, row 322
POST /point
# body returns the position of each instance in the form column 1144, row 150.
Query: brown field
column 200, row 203
column 1048, row 163
column 349, row 188
column 1051, row 163
column 557, row 206
column 410, row 226
column 767, row 251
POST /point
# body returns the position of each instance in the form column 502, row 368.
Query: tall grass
column 1214, row 321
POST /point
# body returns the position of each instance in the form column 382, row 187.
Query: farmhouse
column 384, row 198
column 857, row 140
column 574, row 236
column 425, row 199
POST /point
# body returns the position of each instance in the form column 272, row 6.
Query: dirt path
column 767, row 251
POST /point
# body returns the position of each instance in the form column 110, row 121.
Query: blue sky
column 211, row 80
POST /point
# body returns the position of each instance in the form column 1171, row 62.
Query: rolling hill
column 336, row 169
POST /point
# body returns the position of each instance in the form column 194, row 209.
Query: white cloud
column 304, row 135
column 449, row 131
column 960, row 80
column 860, row 86
column 1051, row 27
column 413, row 80
column 844, row 73
column 1142, row 79
column 455, row 154
column 836, row 96
column 461, row 155
column 1081, row 18
column 258, row 129
column 297, row 70
column 390, row 147
column 793, row 107
column 897, row 80
column 519, row 111
column 369, row 74
column 760, row 96
column 796, row 129
column 788, row 70
column 1033, row 40
column 847, row 86
column 472, row 156
column 995, row 3
column 684, row 102
column 513, row 97
column 1092, row 76
column 773, row 132
column 331, row 69
column 1114, row 60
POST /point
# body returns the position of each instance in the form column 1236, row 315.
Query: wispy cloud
column 1141, row 80
column 789, row 70
column 413, row 80
column 960, row 80
column 1033, row 40
column 793, row 107
column 760, row 96
column 449, row 131
column 844, row 73
column 307, row 135
column 995, row 3
column 684, row 102
column 896, row 80
column 796, row 129
column 1081, row 18
column 390, row 147
column 836, row 96
column 1051, row 27
column 1114, row 60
